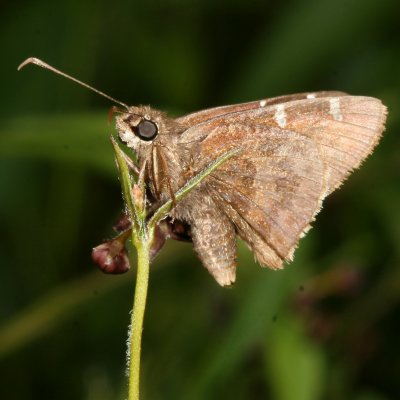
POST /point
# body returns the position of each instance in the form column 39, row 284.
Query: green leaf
column 79, row 139
column 126, row 185
column 252, row 322
column 296, row 367
column 52, row 309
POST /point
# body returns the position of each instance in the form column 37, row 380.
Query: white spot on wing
column 263, row 103
column 280, row 115
column 311, row 96
column 334, row 109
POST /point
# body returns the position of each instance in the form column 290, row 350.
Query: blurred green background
column 326, row 327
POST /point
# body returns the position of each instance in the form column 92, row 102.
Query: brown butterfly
column 294, row 151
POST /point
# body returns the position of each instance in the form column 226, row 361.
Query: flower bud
column 122, row 224
column 111, row 257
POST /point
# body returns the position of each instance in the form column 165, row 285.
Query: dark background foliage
column 326, row 327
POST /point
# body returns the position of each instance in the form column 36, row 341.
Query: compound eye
column 146, row 130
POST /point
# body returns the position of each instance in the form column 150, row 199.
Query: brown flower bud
column 160, row 236
column 122, row 224
column 111, row 257
column 169, row 228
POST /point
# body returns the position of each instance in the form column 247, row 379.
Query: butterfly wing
column 292, row 156
column 195, row 118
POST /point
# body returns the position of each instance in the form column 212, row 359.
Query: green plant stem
column 142, row 237
column 139, row 306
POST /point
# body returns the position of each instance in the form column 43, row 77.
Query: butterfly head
column 138, row 126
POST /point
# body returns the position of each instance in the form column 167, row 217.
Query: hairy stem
column 139, row 306
column 142, row 237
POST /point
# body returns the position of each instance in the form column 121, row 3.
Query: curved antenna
column 40, row 63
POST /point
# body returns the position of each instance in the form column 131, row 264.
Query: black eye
column 146, row 130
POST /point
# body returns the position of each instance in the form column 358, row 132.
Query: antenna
column 40, row 63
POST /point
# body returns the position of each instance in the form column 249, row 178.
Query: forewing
column 293, row 155
column 204, row 115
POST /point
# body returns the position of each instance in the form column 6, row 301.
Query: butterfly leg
column 214, row 240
